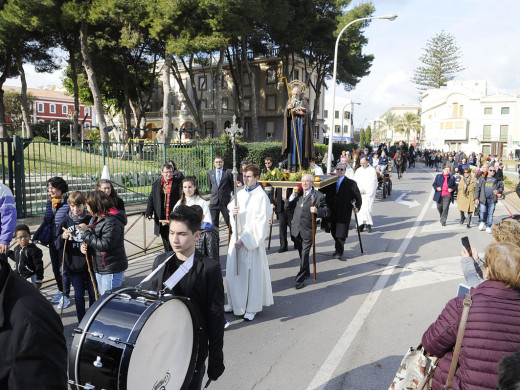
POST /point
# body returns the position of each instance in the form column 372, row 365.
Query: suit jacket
column 302, row 217
column 340, row 203
column 220, row 195
column 279, row 203
column 438, row 182
column 205, row 289
column 155, row 201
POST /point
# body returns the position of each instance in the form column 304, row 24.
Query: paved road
column 350, row 328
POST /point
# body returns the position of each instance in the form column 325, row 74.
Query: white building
column 464, row 117
column 391, row 136
column 343, row 118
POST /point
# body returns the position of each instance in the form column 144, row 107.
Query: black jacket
column 33, row 352
column 29, row 261
column 155, row 206
column 220, row 195
column 106, row 246
column 340, row 203
column 75, row 261
column 205, row 288
column 302, row 221
column 208, row 243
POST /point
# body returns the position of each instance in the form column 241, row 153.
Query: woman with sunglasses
column 466, row 196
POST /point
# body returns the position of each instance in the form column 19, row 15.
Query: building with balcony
column 47, row 105
column 381, row 134
column 464, row 117
column 271, row 100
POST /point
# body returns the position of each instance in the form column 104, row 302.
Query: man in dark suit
column 220, row 182
column 166, row 191
column 198, row 278
column 281, row 195
column 339, row 200
column 306, row 202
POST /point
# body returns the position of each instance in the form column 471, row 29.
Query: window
column 336, row 114
column 326, row 114
column 247, row 103
column 209, row 127
column 345, row 129
column 40, row 107
column 64, row 109
column 487, row 133
column 336, row 128
column 52, row 108
column 504, row 129
column 346, row 115
column 225, row 103
column 271, row 76
column 504, row 111
column 87, row 111
column 488, row 110
column 269, row 129
column 461, row 111
column 316, row 132
column 455, row 110
column 203, row 83
column 449, row 125
column 270, row 102
column 296, row 74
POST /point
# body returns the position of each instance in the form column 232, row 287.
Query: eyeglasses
column 24, row 237
column 340, row 169
column 491, row 170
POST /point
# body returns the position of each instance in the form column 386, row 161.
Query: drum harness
column 176, row 277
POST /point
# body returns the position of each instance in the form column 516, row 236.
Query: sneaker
column 481, row 226
column 228, row 309
column 226, row 325
column 57, row 297
column 249, row 316
column 64, row 303
column 488, row 230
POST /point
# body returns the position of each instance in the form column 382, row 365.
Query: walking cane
column 91, row 278
column 270, row 231
column 313, row 217
column 357, row 226
column 63, row 278
column 207, row 384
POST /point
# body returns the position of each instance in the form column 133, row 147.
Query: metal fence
column 133, row 167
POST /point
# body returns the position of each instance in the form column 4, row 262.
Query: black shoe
column 342, row 258
column 283, row 249
column 299, row 285
column 369, row 228
column 302, row 277
column 336, row 255
column 443, row 223
column 361, row 227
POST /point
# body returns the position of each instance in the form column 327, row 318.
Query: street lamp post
column 331, row 132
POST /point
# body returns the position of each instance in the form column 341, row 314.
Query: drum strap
column 176, row 276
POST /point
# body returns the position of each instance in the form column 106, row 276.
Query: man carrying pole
column 306, row 203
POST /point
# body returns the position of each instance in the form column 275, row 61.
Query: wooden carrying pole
column 313, row 216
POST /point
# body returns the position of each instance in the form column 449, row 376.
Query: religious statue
column 298, row 141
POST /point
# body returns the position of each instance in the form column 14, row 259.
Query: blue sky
column 488, row 33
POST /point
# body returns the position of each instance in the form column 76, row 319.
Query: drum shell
column 118, row 316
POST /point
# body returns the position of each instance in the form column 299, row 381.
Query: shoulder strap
column 458, row 343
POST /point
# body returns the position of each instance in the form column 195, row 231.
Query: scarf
column 56, row 201
column 77, row 219
column 467, row 180
column 167, row 187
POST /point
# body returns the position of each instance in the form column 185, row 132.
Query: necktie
column 337, row 185
column 219, row 176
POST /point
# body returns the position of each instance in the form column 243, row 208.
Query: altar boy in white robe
column 249, row 289
column 366, row 179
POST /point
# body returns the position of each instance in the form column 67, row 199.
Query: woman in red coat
column 493, row 328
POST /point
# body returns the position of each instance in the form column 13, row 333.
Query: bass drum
column 135, row 340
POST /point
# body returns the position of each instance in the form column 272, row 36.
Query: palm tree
column 410, row 121
column 387, row 123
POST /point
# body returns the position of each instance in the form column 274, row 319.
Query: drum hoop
column 87, row 327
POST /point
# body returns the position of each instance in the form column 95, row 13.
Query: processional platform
column 325, row 180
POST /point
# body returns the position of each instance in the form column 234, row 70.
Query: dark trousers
column 56, row 258
column 215, row 214
column 339, row 242
column 284, row 222
column 164, row 231
column 81, row 282
column 196, row 379
column 443, row 206
column 304, row 248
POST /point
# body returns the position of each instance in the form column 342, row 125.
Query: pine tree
column 441, row 62
column 362, row 139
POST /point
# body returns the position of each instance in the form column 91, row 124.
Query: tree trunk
column 218, row 93
column 24, row 105
column 127, row 109
column 75, row 115
column 166, row 133
column 252, row 83
column 92, row 82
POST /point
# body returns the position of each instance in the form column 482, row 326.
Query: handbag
column 417, row 369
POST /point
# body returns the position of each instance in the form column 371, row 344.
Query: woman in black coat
column 103, row 241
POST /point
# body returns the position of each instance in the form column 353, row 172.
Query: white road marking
column 330, row 364
column 422, row 273
column 410, row 204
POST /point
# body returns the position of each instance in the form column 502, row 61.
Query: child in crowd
column 27, row 256
column 76, row 269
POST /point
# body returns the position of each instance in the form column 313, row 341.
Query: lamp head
column 389, row 17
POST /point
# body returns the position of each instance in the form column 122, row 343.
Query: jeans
column 108, row 282
column 437, row 166
column 486, row 212
column 82, row 282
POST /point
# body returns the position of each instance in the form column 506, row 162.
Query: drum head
column 164, row 348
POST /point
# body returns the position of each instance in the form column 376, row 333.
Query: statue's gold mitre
column 300, row 85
